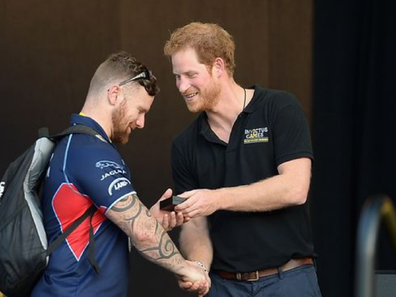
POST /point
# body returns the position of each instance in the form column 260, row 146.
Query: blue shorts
column 297, row 282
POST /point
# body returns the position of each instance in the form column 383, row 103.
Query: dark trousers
column 297, row 282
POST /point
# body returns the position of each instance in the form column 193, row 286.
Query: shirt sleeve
column 290, row 130
column 100, row 173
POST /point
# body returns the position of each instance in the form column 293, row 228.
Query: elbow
column 302, row 199
column 140, row 240
column 299, row 195
column 142, row 235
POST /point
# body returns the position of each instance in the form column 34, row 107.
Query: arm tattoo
column 129, row 204
column 130, row 214
column 166, row 248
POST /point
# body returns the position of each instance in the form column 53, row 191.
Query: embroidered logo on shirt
column 117, row 184
column 256, row 135
column 105, row 163
column 112, row 173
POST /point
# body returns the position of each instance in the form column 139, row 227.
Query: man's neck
column 100, row 116
column 222, row 116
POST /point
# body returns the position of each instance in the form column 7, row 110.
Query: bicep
column 100, row 174
column 297, row 171
column 290, row 132
column 300, row 166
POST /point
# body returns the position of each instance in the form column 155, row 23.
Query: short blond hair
column 210, row 41
column 119, row 66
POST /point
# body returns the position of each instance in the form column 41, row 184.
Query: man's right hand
column 195, row 279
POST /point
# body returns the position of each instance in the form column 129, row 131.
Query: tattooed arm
column 151, row 240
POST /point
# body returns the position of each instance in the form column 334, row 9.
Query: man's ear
column 218, row 67
column 113, row 94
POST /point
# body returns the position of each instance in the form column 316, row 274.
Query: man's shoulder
column 274, row 94
column 272, row 98
column 84, row 150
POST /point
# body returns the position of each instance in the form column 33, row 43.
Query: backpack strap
column 43, row 132
column 77, row 129
column 91, row 247
column 89, row 212
column 91, row 255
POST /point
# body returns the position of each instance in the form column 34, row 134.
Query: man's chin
column 124, row 139
column 193, row 108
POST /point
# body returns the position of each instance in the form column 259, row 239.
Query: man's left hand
column 168, row 219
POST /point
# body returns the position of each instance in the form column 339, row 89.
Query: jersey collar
column 87, row 121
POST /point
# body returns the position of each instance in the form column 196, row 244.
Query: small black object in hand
column 170, row 203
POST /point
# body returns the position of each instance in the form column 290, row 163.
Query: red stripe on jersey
column 69, row 205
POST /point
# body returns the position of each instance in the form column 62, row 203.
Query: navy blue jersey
column 85, row 170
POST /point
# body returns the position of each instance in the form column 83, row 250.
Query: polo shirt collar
column 205, row 130
column 203, row 125
column 254, row 103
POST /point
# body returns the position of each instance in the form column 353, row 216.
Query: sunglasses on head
column 142, row 75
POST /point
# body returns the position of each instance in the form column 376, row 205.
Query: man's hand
column 168, row 219
column 197, row 280
column 200, row 203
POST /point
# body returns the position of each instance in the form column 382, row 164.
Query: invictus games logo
column 256, row 135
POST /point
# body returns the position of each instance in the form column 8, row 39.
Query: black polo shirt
column 271, row 130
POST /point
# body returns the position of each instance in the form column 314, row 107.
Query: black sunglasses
column 142, row 75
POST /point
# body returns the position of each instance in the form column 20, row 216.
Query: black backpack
column 24, row 249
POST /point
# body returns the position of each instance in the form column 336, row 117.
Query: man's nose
column 183, row 85
column 140, row 122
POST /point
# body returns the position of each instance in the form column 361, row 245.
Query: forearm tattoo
column 129, row 214
column 166, row 248
column 124, row 205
